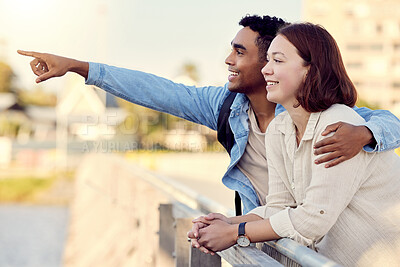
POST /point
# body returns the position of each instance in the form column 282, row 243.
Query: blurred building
column 87, row 112
column 3, row 48
column 368, row 34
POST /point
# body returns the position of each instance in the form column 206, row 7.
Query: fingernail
column 197, row 246
column 316, row 161
column 38, row 80
column 195, row 234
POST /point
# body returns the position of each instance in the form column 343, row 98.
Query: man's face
column 244, row 64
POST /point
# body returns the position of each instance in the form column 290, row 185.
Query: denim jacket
column 202, row 105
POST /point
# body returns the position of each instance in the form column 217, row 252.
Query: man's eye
column 277, row 60
column 239, row 53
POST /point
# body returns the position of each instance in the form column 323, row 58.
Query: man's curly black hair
column 266, row 27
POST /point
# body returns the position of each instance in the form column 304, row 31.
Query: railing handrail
column 300, row 254
column 192, row 204
column 180, row 192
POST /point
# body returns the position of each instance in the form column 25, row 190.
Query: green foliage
column 190, row 69
column 37, row 97
column 11, row 125
column 22, row 189
column 363, row 103
column 6, row 76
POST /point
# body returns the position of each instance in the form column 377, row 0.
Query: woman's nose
column 266, row 70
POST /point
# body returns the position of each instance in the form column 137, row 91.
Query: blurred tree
column 190, row 69
column 37, row 97
column 363, row 103
column 150, row 127
column 6, row 76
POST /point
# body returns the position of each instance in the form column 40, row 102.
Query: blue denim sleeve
column 384, row 126
column 197, row 104
column 279, row 109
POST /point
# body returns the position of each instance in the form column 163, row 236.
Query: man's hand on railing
column 218, row 235
column 202, row 231
column 194, row 236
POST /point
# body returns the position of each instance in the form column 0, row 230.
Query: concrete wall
column 114, row 216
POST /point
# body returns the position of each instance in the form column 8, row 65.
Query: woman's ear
column 306, row 73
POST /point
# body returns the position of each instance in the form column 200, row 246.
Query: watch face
column 243, row 241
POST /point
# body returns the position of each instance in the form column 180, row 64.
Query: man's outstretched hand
column 347, row 141
column 47, row 66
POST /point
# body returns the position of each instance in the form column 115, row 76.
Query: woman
column 350, row 212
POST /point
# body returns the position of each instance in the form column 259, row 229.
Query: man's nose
column 229, row 60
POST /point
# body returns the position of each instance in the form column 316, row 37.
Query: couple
column 350, row 212
column 250, row 112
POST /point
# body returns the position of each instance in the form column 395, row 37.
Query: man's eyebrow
column 238, row 46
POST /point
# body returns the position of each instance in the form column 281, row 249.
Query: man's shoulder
column 239, row 100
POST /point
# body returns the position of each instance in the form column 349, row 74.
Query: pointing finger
column 29, row 53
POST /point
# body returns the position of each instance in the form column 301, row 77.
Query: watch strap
column 241, row 230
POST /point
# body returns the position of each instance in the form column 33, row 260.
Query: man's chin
column 232, row 87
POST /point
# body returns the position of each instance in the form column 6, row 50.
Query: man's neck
column 263, row 109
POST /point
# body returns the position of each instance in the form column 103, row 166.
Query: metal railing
column 114, row 222
column 283, row 252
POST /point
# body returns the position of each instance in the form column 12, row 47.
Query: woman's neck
column 300, row 119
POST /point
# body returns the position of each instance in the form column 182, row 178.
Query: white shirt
column 253, row 162
column 350, row 212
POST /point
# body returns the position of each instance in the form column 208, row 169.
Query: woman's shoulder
column 278, row 124
column 340, row 112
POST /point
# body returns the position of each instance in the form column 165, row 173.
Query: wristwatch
column 242, row 239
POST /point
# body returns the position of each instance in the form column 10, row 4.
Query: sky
column 155, row 36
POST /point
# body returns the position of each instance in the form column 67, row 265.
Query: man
column 250, row 112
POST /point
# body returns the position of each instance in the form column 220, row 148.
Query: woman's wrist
column 233, row 232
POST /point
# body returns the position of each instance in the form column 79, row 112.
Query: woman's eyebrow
column 278, row 53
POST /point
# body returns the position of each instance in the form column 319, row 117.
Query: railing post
column 182, row 246
column 166, row 236
column 199, row 259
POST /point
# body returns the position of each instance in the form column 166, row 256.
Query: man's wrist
column 79, row 67
column 369, row 137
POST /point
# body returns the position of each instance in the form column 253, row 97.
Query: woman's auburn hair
column 327, row 82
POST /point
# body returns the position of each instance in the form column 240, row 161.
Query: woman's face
column 284, row 72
